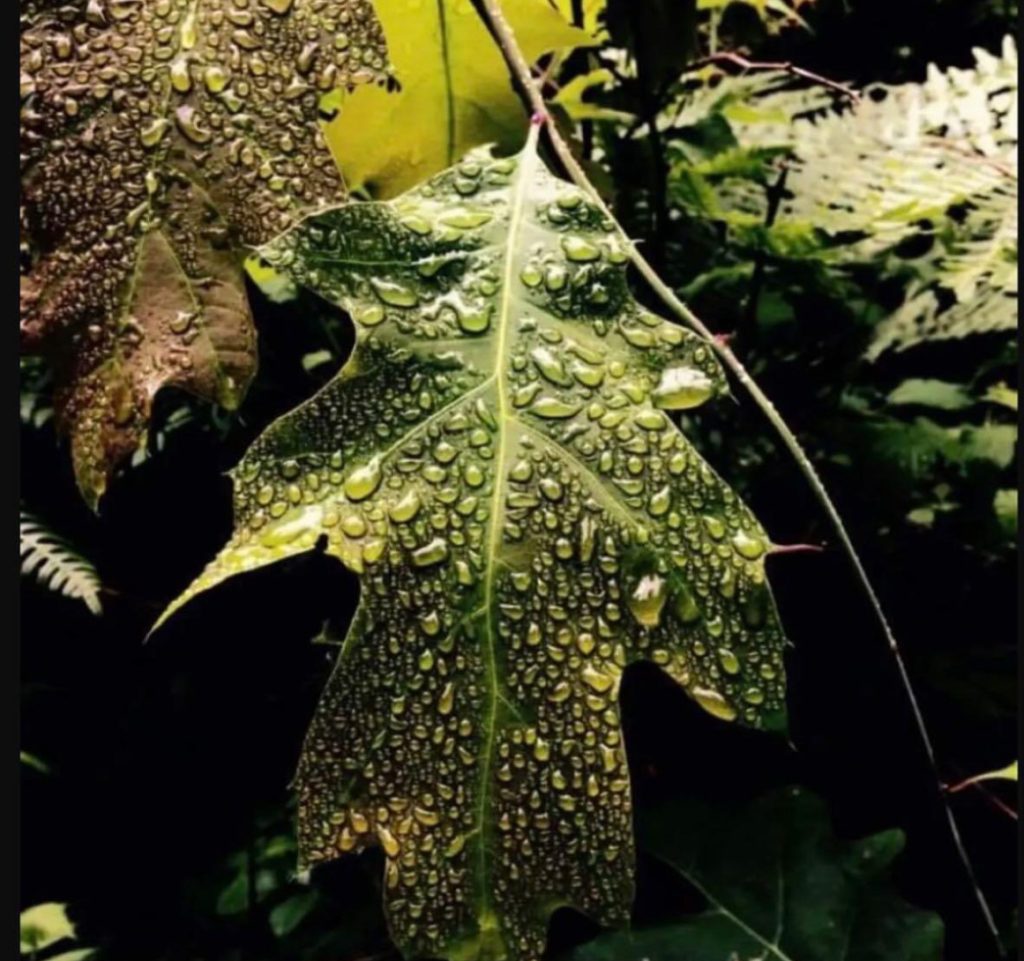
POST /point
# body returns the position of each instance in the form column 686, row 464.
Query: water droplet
column 373, row 549
column 521, row 471
column 650, row 420
column 431, row 553
column 587, row 375
column 287, row 532
column 531, row 276
column 359, row 823
column 647, row 599
column 418, row 225
column 715, row 526
column 638, row 337
column 551, row 408
column 407, row 508
column 388, row 842
column 394, row 293
column 182, row 321
column 550, row 366
column 598, row 680
column 426, row 817
column 466, row 218
column 555, row 278
column 560, row 692
column 473, row 475
column 681, row 388
column 216, row 78
column 729, row 661
column 187, row 118
column 579, row 249
column 475, row 320
column 464, row 573
column 551, row 489
column 747, row 545
column 713, row 703
column 153, row 133
column 353, row 525
column 181, row 76
column 189, row 33
column 660, row 502
column 363, row 481
column 446, row 701
column 368, row 316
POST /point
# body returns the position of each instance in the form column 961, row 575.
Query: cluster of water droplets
column 499, row 463
column 154, row 136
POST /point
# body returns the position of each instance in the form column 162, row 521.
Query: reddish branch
column 738, row 60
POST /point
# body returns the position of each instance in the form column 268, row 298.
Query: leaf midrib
column 517, row 206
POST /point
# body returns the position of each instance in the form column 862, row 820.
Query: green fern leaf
column 934, row 161
column 54, row 564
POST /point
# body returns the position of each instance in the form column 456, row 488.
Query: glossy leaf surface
column 498, row 464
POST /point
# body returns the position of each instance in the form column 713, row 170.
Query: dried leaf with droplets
column 498, row 463
column 157, row 136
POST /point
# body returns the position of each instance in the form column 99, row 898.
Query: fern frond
column 35, row 383
column 935, row 160
column 56, row 565
column 968, row 286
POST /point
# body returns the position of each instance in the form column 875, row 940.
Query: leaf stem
column 506, row 40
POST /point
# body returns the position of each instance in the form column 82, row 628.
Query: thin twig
column 738, row 60
column 978, row 784
column 520, row 69
column 985, row 793
column 969, row 154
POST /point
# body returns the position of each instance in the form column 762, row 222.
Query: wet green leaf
column 498, row 463
column 288, row 915
column 43, row 925
column 1005, row 505
column 1003, row 395
column 918, row 446
column 235, row 897
column 571, row 98
column 155, row 141
column 778, row 885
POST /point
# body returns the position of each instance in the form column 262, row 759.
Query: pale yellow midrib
column 524, row 173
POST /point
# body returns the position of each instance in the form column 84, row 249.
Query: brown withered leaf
column 158, row 137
